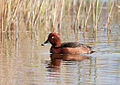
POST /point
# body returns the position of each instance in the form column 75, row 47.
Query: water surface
column 28, row 63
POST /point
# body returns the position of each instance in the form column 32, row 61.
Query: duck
column 67, row 47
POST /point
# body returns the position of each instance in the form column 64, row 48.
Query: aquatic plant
column 42, row 16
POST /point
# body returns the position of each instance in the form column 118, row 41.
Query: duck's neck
column 57, row 44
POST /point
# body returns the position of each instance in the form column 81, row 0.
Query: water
column 28, row 63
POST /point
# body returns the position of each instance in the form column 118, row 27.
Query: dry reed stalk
column 78, row 13
column 47, row 16
column 109, row 18
column 57, row 15
column 70, row 14
column 1, row 32
column 61, row 16
column 18, row 5
column 9, row 17
column 17, row 27
column 86, row 21
column 93, row 12
column 1, row 18
column 96, row 15
column 38, row 13
column 100, row 12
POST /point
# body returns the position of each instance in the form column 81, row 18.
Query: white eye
column 53, row 37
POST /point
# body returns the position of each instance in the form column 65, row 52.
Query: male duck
column 67, row 47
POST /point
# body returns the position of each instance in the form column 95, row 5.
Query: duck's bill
column 45, row 43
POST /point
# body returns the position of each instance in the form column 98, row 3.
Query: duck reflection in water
column 56, row 59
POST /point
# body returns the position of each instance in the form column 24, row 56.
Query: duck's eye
column 53, row 37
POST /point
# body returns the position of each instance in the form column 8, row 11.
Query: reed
column 36, row 16
column 88, row 15
column 109, row 17
column 77, row 19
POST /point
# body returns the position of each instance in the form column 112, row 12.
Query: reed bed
column 42, row 16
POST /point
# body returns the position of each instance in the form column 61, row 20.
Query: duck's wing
column 73, row 44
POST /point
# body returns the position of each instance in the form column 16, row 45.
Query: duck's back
column 73, row 45
column 75, row 48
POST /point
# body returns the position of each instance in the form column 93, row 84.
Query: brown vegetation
column 42, row 16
